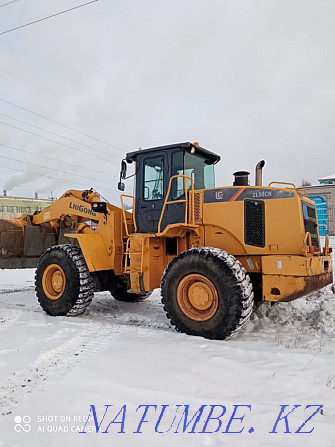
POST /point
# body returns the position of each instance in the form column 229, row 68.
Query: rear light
column 330, row 250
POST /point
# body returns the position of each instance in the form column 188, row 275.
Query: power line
column 57, row 142
column 52, row 159
column 8, row 3
column 59, row 97
column 51, row 133
column 61, row 124
column 52, row 169
column 21, row 79
column 48, row 17
column 42, row 176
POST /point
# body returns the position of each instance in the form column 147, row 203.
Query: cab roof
column 209, row 156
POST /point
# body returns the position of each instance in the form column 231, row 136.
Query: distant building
column 12, row 207
column 330, row 180
column 324, row 197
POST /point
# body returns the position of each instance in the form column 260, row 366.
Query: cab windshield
column 184, row 163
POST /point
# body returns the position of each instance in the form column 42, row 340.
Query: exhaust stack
column 259, row 173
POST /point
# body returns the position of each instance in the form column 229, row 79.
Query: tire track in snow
column 8, row 317
column 15, row 290
column 61, row 359
column 98, row 330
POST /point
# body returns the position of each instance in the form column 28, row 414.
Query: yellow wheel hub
column 53, row 281
column 197, row 297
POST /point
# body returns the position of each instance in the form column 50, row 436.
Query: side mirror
column 123, row 172
column 99, row 207
column 120, row 186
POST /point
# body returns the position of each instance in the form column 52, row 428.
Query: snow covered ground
column 127, row 355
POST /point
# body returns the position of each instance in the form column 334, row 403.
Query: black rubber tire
column 232, row 283
column 79, row 288
column 119, row 292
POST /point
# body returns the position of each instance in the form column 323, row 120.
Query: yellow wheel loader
column 213, row 251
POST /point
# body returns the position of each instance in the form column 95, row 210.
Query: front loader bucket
column 11, row 238
column 21, row 243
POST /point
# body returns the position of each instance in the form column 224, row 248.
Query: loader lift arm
column 70, row 216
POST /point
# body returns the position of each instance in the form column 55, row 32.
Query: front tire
column 206, row 292
column 63, row 282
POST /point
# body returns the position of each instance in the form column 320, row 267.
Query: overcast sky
column 247, row 79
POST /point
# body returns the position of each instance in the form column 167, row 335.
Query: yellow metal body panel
column 252, row 264
column 155, row 261
column 148, row 258
column 296, row 265
column 102, row 243
column 224, row 226
column 95, row 252
column 288, row 277
column 72, row 205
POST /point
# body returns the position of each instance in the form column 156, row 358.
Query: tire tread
column 242, row 288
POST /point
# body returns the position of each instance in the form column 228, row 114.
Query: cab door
column 151, row 186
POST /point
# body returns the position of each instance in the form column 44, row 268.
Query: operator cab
column 154, row 168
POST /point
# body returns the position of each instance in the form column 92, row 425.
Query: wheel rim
column 197, row 297
column 53, row 281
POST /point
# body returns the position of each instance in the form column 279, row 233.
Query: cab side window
column 153, row 178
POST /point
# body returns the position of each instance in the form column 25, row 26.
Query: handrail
column 302, row 190
column 124, row 212
column 142, row 255
column 169, row 202
column 308, row 247
column 125, row 269
column 282, row 183
column 308, row 235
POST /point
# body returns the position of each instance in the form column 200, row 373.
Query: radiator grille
column 254, row 223
column 195, row 199
column 197, row 207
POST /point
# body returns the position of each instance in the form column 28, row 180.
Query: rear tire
column 63, row 282
column 207, row 292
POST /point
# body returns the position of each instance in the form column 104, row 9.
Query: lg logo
column 22, row 424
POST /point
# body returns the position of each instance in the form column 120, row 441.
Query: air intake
column 241, row 178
